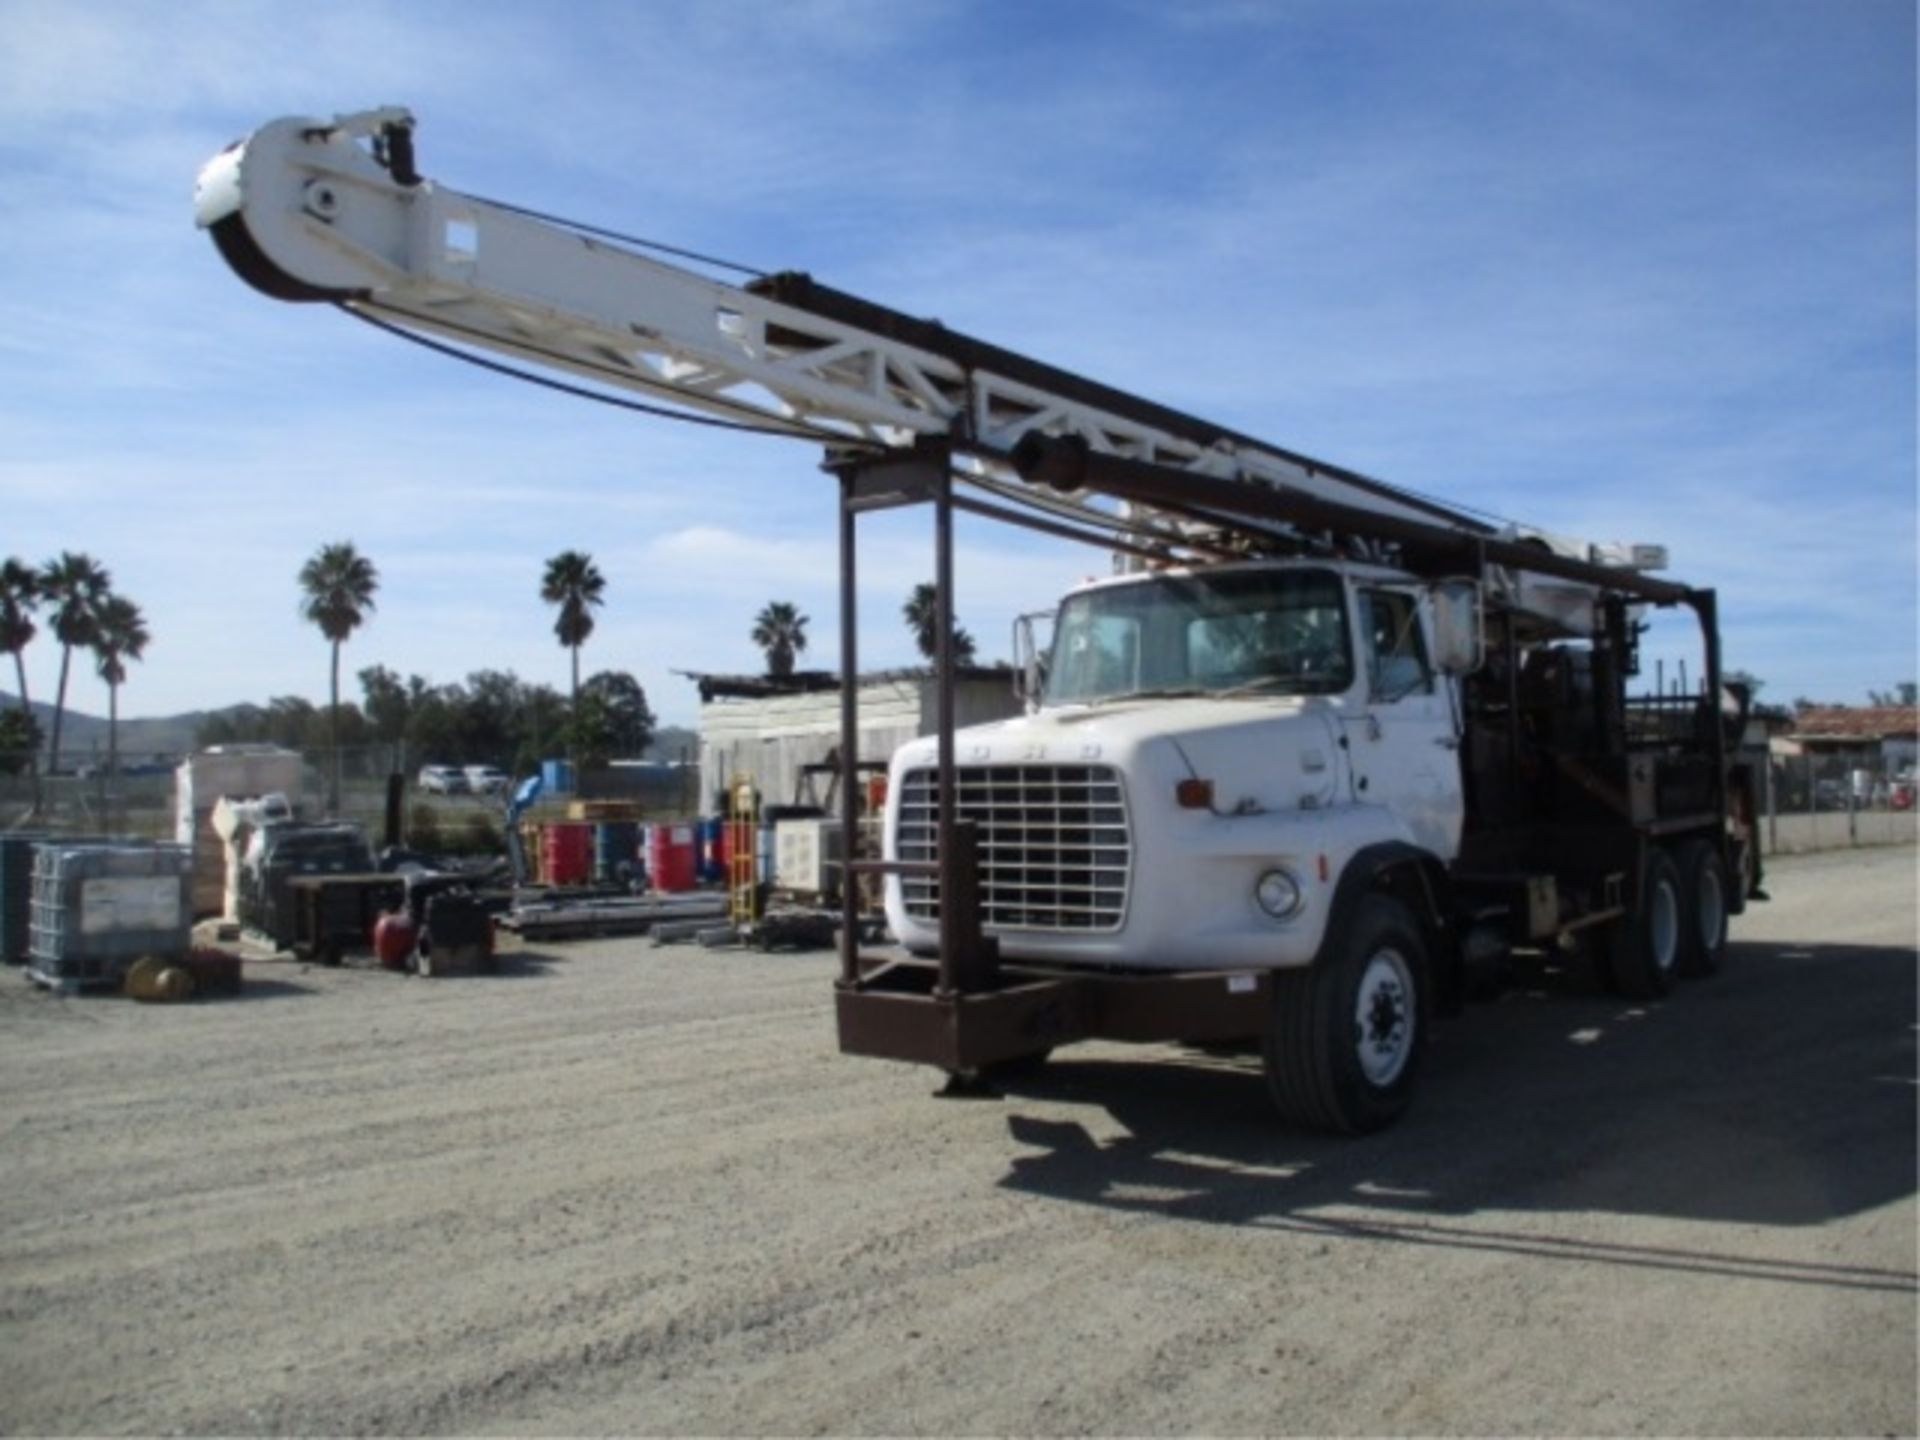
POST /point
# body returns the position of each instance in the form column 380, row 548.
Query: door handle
column 1447, row 742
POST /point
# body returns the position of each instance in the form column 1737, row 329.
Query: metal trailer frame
column 964, row 1011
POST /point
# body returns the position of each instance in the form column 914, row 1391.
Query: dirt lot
column 626, row 1189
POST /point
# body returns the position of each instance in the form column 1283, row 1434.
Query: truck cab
column 1206, row 750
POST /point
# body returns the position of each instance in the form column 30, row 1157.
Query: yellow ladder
column 743, row 840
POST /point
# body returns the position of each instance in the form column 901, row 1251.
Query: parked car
column 443, row 780
column 487, row 780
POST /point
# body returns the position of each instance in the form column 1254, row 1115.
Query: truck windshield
column 1250, row 631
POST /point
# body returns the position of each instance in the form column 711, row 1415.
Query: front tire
column 1345, row 1040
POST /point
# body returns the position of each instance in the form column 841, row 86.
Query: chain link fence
column 1829, row 801
column 138, row 801
column 1809, row 802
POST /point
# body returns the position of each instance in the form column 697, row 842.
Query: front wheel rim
column 1383, row 1017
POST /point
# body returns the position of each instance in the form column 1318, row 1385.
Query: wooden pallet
column 604, row 810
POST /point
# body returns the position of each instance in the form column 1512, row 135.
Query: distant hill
column 672, row 742
column 153, row 737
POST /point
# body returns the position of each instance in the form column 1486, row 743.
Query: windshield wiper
column 1255, row 687
column 1158, row 692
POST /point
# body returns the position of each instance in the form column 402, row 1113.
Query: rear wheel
column 1643, row 949
column 1346, row 1035
column 1703, row 888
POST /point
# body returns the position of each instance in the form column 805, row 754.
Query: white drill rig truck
column 1314, row 765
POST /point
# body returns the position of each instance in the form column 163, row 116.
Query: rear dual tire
column 1705, row 889
column 1643, row 946
column 1679, row 927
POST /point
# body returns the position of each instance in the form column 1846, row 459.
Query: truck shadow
column 519, row 965
column 1778, row 1093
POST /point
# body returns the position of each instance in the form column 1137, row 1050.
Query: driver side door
column 1405, row 742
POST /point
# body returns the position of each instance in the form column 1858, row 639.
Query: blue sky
column 1635, row 271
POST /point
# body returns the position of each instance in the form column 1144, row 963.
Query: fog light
column 1278, row 893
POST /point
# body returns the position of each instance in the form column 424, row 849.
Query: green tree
column 574, row 584
column 921, row 614
column 119, row 635
column 1903, row 693
column 590, row 730
column 543, row 723
column 337, row 586
column 73, row 585
column 780, row 630
column 19, row 741
column 628, row 720
column 19, row 597
column 384, row 701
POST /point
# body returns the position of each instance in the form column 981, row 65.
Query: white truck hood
column 1261, row 752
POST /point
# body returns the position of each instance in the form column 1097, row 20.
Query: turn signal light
column 1194, row 794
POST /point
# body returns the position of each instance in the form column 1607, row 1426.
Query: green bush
column 423, row 828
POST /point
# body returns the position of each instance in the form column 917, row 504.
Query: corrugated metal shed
column 769, row 737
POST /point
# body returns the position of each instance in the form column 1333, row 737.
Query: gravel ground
column 622, row 1189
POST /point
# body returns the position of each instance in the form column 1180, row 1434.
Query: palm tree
column 19, row 596
column 575, row 584
column 73, row 586
column 119, row 634
column 338, row 585
column 920, row 616
column 781, row 631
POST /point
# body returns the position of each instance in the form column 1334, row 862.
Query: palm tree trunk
column 112, row 806
column 26, row 711
column 333, row 733
column 59, row 709
column 573, row 710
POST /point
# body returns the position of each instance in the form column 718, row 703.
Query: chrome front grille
column 1056, row 849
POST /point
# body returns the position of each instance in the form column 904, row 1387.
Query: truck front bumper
column 896, row 1011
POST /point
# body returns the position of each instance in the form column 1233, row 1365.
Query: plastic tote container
column 673, row 856
column 16, row 893
column 98, row 908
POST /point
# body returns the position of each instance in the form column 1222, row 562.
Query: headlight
column 1278, row 893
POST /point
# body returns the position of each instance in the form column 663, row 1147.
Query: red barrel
column 673, row 857
column 566, row 855
column 394, row 936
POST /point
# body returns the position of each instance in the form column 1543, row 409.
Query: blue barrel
column 616, row 851
column 713, row 868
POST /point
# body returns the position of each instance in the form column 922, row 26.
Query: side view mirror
column 1459, row 626
column 1029, row 660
